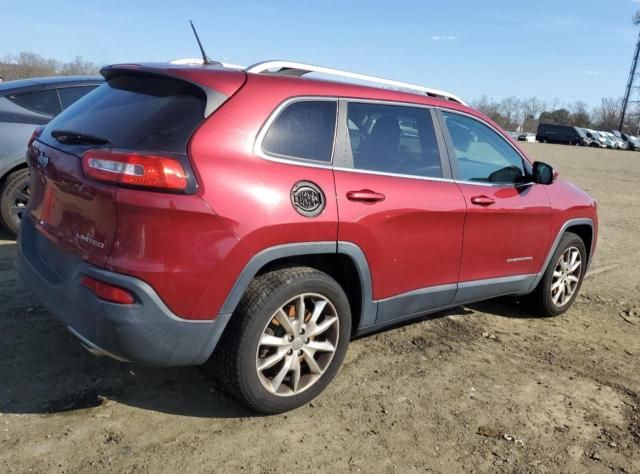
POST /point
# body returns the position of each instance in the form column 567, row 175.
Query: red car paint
column 191, row 248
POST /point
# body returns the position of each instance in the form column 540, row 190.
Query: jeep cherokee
column 260, row 219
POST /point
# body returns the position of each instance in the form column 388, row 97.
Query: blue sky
column 566, row 49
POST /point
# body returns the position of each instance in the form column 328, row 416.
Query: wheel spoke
column 322, row 346
column 311, row 362
column 286, row 367
column 573, row 278
column 269, row 340
column 558, row 293
column 300, row 310
column 285, row 322
column 21, row 195
column 326, row 323
column 297, row 370
column 567, row 289
column 557, row 274
column 15, row 210
column 575, row 266
column 556, row 285
column 271, row 360
column 317, row 310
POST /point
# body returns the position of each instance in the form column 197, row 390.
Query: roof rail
column 291, row 68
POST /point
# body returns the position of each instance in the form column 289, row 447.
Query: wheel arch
column 343, row 261
column 12, row 168
column 584, row 228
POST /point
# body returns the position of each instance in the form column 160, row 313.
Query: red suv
column 180, row 209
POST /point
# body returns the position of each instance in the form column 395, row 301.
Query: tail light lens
column 31, row 151
column 133, row 169
column 36, row 133
column 105, row 291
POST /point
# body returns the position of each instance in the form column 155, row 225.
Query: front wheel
column 14, row 198
column 562, row 279
column 286, row 341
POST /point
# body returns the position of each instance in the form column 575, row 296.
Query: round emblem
column 307, row 198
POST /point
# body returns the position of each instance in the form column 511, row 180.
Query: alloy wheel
column 297, row 344
column 566, row 276
column 18, row 201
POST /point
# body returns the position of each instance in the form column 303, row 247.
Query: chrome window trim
column 395, row 175
column 526, row 164
column 257, row 146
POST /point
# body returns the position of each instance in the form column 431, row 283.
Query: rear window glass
column 137, row 113
column 303, row 130
column 43, row 102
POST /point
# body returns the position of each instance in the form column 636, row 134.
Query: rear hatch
column 137, row 111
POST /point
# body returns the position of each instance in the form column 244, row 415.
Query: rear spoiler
column 216, row 89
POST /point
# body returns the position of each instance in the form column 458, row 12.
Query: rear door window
column 136, row 112
column 303, row 130
column 393, row 139
column 68, row 95
column 43, row 102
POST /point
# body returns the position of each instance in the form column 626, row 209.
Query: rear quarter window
column 138, row 113
column 303, row 130
column 43, row 102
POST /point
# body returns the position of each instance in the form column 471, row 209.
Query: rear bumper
column 145, row 332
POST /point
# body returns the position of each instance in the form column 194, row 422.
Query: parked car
column 263, row 220
column 632, row 142
column 608, row 141
column 527, row 137
column 563, row 134
column 620, row 143
column 595, row 139
column 513, row 135
column 24, row 105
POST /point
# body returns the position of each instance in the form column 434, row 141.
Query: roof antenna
column 205, row 59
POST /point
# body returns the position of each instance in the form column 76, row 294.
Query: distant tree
column 580, row 117
column 78, row 67
column 27, row 64
column 557, row 116
column 511, row 113
column 607, row 114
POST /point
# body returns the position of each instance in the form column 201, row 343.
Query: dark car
column 563, row 134
column 24, row 105
column 179, row 210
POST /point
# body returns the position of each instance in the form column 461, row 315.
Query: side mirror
column 543, row 173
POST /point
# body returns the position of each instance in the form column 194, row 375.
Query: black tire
column 14, row 184
column 541, row 298
column 235, row 358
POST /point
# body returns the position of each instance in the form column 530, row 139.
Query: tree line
column 25, row 65
column 511, row 113
column 525, row 114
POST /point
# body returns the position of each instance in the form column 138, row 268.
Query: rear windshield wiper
column 77, row 138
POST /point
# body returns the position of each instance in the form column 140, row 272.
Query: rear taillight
column 34, row 136
column 133, row 169
column 107, row 292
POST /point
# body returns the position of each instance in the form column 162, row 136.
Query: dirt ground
column 479, row 388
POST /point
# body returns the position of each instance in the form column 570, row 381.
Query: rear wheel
column 562, row 279
column 286, row 341
column 14, row 199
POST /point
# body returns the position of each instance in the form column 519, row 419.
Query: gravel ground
column 481, row 388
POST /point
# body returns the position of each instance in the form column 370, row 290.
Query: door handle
column 482, row 200
column 365, row 195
